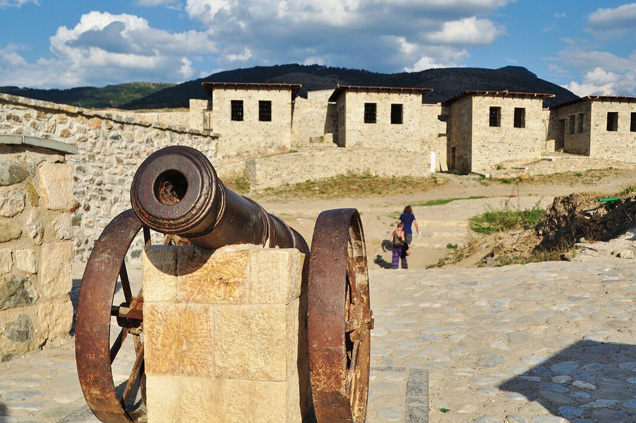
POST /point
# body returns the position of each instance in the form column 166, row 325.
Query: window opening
column 396, row 114
column 495, row 116
column 265, row 111
column 520, row 117
column 612, row 121
column 632, row 123
column 370, row 110
column 237, row 110
column 579, row 126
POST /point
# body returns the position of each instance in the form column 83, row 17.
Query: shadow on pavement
column 588, row 380
column 379, row 260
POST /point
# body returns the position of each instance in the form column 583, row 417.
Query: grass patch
column 504, row 220
column 442, row 201
column 239, row 184
column 536, row 256
column 351, row 186
column 627, row 191
column 508, row 181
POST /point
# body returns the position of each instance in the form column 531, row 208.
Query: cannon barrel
column 176, row 191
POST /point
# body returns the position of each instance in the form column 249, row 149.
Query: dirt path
column 445, row 224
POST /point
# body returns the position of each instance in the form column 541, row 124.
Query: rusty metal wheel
column 339, row 318
column 119, row 399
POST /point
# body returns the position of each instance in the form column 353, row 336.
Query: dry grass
column 349, row 186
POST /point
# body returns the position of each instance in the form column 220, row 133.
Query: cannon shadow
column 379, row 260
column 587, row 381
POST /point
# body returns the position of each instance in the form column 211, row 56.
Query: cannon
column 176, row 192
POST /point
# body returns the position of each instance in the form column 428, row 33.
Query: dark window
column 579, row 126
column 396, row 114
column 237, row 109
column 571, row 123
column 370, row 112
column 520, row 117
column 265, row 111
column 495, row 116
column 632, row 123
column 612, row 121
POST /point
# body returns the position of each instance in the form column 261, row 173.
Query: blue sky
column 587, row 46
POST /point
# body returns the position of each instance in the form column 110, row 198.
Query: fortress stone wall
column 301, row 166
column 619, row 144
column 314, row 120
column 36, row 247
column 506, row 142
column 110, row 148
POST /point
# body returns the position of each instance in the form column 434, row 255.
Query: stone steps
column 439, row 233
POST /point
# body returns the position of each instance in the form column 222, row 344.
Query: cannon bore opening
column 170, row 187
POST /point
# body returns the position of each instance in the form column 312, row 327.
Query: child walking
column 398, row 240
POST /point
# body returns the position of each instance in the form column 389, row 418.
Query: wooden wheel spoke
column 146, row 231
column 136, row 373
column 125, row 283
column 119, row 341
column 354, row 356
column 351, row 280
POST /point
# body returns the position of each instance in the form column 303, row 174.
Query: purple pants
column 396, row 259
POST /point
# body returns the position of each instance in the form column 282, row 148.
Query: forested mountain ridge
column 445, row 82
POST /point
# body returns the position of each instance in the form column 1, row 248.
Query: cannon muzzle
column 176, row 191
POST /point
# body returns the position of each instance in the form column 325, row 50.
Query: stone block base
column 223, row 335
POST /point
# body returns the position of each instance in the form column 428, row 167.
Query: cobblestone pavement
column 540, row 343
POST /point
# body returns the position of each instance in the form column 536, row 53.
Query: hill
column 110, row 96
column 445, row 83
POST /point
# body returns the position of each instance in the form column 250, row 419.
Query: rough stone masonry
column 36, row 247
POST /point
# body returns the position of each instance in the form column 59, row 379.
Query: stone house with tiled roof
column 474, row 131
column 489, row 128
column 250, row 116
column 597, row 126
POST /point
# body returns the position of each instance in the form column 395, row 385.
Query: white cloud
column 585, row 59
column 9, row 57
column 468, row 32
column 448, row 58
column 613, row 21
column 243, row 56
column 601, row 82
column 315, row 61
column 104, row 48
column 16, row 3
column 378, row 35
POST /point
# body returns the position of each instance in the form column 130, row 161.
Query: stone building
column 36, row 247
column 384, row 131
column 251, row 117
column 490, row 128
column 381, row 118
column 598, row 127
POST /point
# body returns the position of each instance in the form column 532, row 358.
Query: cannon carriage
column 176, row 192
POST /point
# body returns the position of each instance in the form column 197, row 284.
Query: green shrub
column 507, row 219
